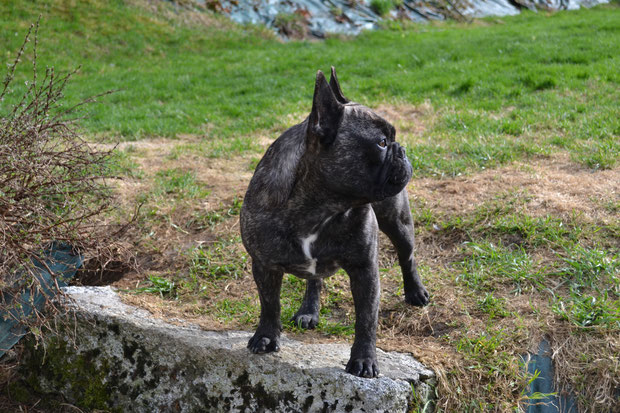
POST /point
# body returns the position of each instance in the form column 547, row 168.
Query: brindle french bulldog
column 315, row 204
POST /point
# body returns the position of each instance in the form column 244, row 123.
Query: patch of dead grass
column 553, row 186
column 164, row 238
column 190, row 14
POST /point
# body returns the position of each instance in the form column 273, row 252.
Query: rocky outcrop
column 120, row 358
column 316, row 18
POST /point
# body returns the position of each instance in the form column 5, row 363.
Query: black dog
column 313, row 206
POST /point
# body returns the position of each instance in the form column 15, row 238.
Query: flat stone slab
column 120, row 357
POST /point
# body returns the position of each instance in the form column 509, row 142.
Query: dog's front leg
column 366, row 289
column 267, row 336
column 395, row 220
column 308, row 314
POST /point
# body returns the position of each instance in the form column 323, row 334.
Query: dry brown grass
column 548, row 187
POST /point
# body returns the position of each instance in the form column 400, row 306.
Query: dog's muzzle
column 396, row 172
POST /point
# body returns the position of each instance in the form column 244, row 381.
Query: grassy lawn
column 513, row 128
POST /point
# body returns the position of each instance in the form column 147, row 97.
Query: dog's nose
column 399, row 150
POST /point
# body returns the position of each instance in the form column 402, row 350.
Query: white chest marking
column 306, row 244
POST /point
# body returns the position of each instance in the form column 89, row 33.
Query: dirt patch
column 552, row 186
column 226, row 177
column 171, row 225
column 411, row 121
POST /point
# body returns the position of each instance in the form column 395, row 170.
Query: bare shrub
column 53, row 190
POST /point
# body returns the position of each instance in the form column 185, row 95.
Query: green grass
column 382, row 7
column 293, row 289
column 217, row 260
column 486, row 263
column 494, row 307
column 244, row 310
column 590, row 267
column 178, row 183
column 497, row 88
column 589, row 310
column 122, row 164
column 201, row 220
column 593, row 279
column 216, row 148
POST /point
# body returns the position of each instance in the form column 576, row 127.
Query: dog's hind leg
column 267, row 336
column 394, row 218
column 308, row 314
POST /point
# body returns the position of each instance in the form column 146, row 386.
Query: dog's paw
column 419, row 297
column 305, row 321
column 363, row 367
column 260, row 343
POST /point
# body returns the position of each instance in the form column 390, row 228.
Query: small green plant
column 120, row 163
column 245, row 310
column 291, row 25
column 336, row 11
column 382, row 7
column 536, row 231
column 598, row 154
column 416, row 406
column 485, row 350
column 538, row 82
column 463, row 87
column 589, row 310
column 512, row 127
column 494, row 307
column 158, row 285
column 203, row 220
column 589, row 267
column 332, row 328
column 535, row 396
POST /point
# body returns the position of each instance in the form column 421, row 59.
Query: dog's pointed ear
column 324, row 120
column 335, row 85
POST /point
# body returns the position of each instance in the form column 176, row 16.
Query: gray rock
column 352, row 16
column 119, row 357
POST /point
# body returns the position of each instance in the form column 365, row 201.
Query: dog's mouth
column 395, row 173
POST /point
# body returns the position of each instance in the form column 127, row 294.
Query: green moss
column 19, row 392
column 60, row 366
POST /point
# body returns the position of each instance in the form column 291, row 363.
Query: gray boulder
column 117, row 357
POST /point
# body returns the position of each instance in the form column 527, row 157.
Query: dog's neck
column 311, row 200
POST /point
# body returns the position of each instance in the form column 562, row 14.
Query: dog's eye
column 383, row 143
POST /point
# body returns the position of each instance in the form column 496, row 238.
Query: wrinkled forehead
column 363, row 117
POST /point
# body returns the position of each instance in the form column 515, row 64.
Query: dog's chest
column 318, row 258
column 320, row 249
column 315, row 253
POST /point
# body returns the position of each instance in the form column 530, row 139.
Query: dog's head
column 353, row 148
column 348, row 147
